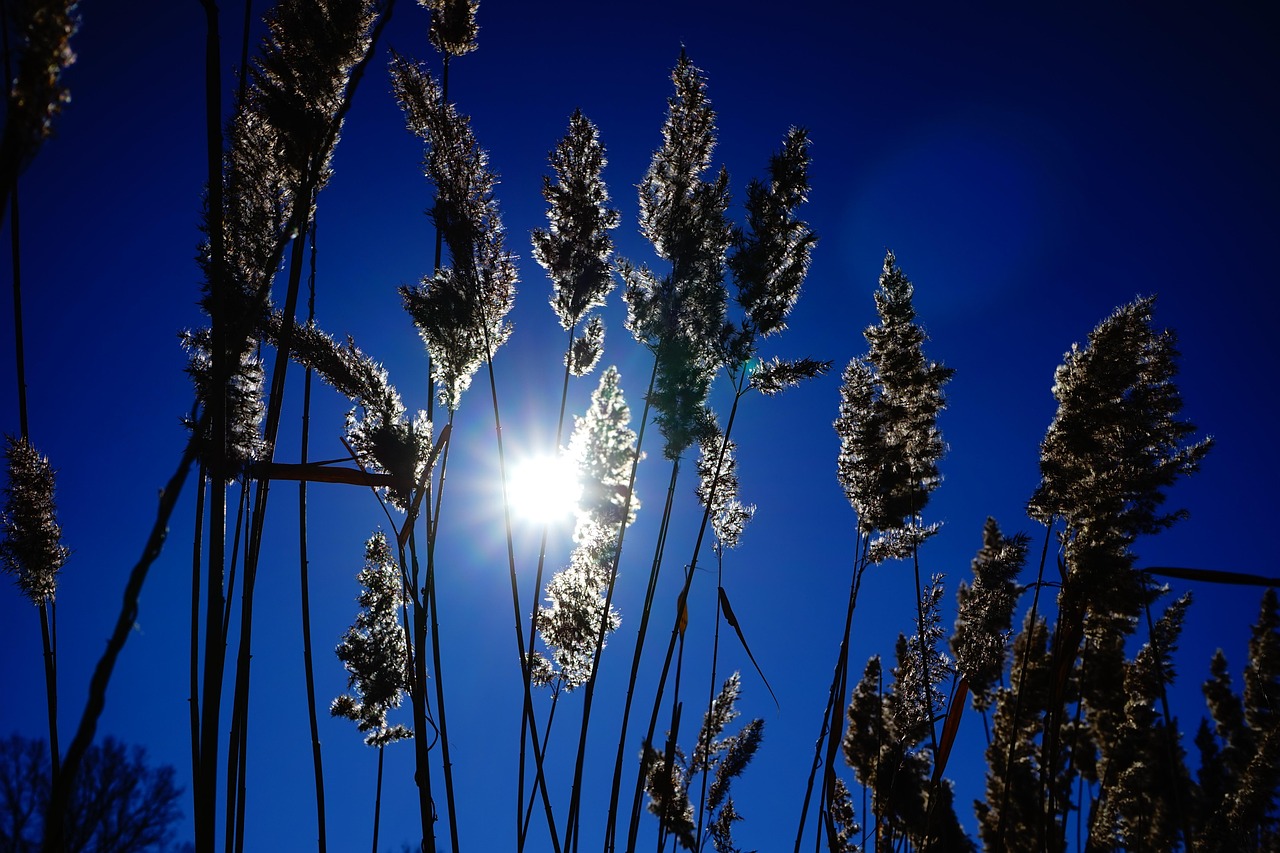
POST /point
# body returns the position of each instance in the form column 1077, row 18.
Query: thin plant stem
column 197, row 558
column 611, row 822
column 18, row 339
column 645, row 612
column 533, row 616
column 305, row 586
column 711, row 694
column 924, row 649
column 677, row 632
column 433, row 614
column 242, row 512
column 1018, row 693
column 1172, row 733
column 60, row 799
column 377, row 799
column 546, row 737
column 275, row 401
column 515, row 589
column 48, row 629
column 832, row 728
column 15, row 243
column 204, row 789
column 418, row 696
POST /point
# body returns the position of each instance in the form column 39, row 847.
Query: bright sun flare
column 544, row 489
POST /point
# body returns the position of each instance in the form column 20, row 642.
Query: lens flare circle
column 544, row 489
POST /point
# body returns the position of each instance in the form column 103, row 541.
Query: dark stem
column 60, row 799
column 204, row 788
column 47, row 631
column 18, row 344
column 418, row 697
column 634, row 815
column 677, row 632
column 242, row 511
column 924, row 648
column 611, row 823
column 416, row 635
column 1175, row 764
column 197, row 557
column 433, row 611
column 1018, row 695
column 832, row 729
column 304, row 564
column 377, row 800
column 711, row 695
column 546, row 737
column 533, row 620
column 275, row 402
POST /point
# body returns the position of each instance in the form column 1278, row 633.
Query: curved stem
column 18, row 342
column 924, row 648
column 418, row 697
column 677, row 631
column 711, row 694
column 1018, row 694
column 650, row 592
column 204, row 787
column 611, row 823
column 197, row 556
column 55, row 818
column 377, row 800
column 832, row 729
column 521, row 824
column 305, row 587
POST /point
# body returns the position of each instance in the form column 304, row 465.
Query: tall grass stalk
column 575, row 251
column 60, row 798
column 418, row 690
column 678, row 627
column 642, row 632
column 304, row 587
column 527, row 709
column 704, row 739
column 26, row 94
column 832, row 728
column 197, row 560
column 45, row 607
column 1019, row 692
column 571, row 831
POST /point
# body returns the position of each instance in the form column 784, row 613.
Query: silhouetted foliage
column 119, row 803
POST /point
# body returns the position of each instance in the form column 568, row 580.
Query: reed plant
column 1068, row 670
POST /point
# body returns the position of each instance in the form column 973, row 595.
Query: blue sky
column 1032, row 166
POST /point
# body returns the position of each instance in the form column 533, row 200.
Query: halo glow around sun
column 544, row 489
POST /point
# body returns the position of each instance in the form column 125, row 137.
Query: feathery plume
column 680, row 316
column 31, row 548
column 1115, row 446
column 889, row 405
column 719, row 493
column 984, row 617
column 771, row 255
column 374, row 650
column 453, row 25
column 35, row 95
column 460, row 310
column 603, row 445
column 575, row 248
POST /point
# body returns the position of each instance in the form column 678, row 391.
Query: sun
column 544, row 489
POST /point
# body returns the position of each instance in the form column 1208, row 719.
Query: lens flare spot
column 544, row 489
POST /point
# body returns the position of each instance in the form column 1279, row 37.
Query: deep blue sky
column 1032, row 166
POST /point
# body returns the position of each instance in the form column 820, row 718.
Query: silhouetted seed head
column 31, row 548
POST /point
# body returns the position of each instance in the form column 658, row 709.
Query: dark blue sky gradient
column 1032, row 166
